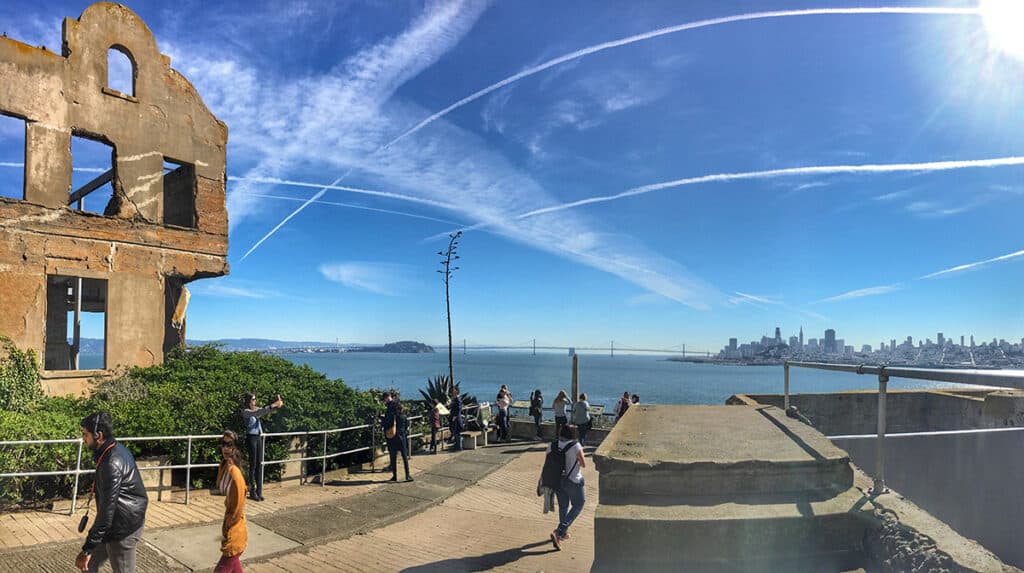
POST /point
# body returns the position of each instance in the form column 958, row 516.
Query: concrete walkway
column 467, row 511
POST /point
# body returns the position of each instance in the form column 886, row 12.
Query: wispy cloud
column 861, row 293
column 811, row 185
column 79, row 169
column 974, row 265
column 744, row 297
column 225, row 290
column 894, row 195
column 379, row 278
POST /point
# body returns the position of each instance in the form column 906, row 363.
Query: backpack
column 554, row 466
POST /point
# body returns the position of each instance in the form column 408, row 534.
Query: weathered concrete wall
column 855, row 412
column 132, row 248
column 970, row 481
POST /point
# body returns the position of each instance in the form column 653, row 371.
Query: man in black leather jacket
column 120, row 500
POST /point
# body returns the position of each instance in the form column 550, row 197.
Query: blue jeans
column 569, row 493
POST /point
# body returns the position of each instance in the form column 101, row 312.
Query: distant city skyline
column 656, row 174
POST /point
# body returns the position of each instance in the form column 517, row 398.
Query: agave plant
column 440, row 388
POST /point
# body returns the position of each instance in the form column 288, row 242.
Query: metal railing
column 1001, row 378
column 188, row 465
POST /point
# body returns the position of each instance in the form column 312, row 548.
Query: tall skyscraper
column 972, row 341
column 778, row 335
column 961, row 341
column 892, row 345
column 940, row 340
column 732, row 344
column 801, row 337
column 830, row 341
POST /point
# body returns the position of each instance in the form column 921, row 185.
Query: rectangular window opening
column 76, row 313
column 12, row 157
column 179, row 193
column 92, row 171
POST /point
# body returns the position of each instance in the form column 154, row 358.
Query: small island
column 401, row 347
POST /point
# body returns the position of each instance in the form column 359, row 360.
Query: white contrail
column 788, row 172
column 80, row 169
column 967, row 266
column 862, row 292
column 672, row 30
column 364, row 208
column 315, row 196
column 925, row 10
column 335, row 186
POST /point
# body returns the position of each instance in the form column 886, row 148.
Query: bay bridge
column 611, row 349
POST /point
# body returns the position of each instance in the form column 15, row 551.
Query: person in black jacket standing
column 121, row 500
column 398, row 443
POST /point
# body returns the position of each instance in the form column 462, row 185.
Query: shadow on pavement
column 483, row 562
column 339, row 482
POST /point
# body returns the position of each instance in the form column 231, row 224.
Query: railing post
column 373, row 449
column 785, row 372
column 78, row 473
column 323, row 463
column 879, row 485
column 188, row 469
column 263, row 460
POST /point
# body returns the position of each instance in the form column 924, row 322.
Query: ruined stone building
column 164, row 225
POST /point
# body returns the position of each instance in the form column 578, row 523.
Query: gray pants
column 121, row 554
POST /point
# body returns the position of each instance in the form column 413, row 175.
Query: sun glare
column 1004, row 21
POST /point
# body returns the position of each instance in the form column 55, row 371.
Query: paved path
column 465, row 512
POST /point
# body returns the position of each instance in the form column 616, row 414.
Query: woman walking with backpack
column 570, row 488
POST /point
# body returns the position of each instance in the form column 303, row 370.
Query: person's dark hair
column 636, row 398
column 246, row 398
column 99, row 423
column 235, row 454
column 568, row 432
column 583, row 396
column 398, row 406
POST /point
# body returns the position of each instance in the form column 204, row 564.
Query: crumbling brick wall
column 161, row 228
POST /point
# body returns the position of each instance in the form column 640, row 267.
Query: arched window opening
column 120, row 71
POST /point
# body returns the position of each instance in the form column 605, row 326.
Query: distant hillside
column 401, row 347
column 95, row 345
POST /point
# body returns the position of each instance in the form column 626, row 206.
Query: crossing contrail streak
column 672, row 30
column 922, row 10
column 788, row 172
column 320, row 193
column 362, row 207
column 315, row 196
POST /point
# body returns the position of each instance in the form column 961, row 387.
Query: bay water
column 602, row 377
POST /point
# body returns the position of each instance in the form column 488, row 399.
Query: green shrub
column 19, row 377
column 39, row 425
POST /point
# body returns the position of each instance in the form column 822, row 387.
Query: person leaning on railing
column 254, row 443
column 121, row 500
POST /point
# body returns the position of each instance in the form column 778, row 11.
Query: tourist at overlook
column 231, row 484
column 635, row 400
column 121, row 501
column 396, row 431
column 570, row 493
column 254, row 443
column 559, row 405
column 455, row 419
column 581, row 417
column 622, row 406
column 504, row 400
column 435, row 425
column 537, row 411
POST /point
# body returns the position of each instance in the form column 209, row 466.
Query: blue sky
column 767, row 107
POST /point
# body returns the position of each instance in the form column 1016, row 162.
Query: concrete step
column 716, row 450
column 706, row 533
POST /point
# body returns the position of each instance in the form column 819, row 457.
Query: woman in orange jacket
column 231, row 483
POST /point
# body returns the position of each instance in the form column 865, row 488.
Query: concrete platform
column 725, row 488
column 717, row 450
column 199, row 547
